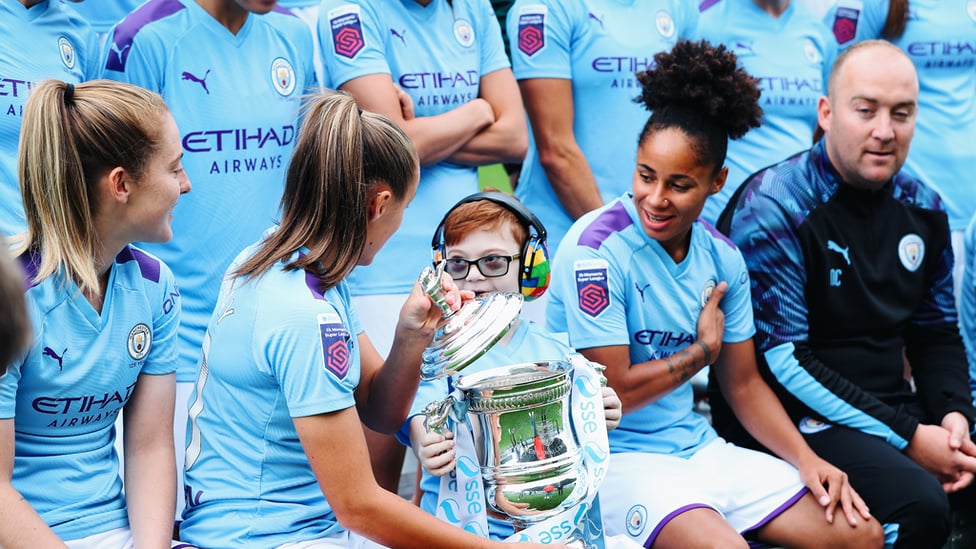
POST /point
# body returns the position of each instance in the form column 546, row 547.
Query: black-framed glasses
column 490, row 265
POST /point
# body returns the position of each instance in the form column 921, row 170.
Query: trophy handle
column 576, row 359
column 436, row 415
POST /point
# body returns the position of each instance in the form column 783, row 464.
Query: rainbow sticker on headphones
column 535, row 279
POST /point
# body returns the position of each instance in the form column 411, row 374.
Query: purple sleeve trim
column 612, row 220
column 148, row 266
column 125, row 32
column 716, row 233
column 707, row 4
column 30, row 263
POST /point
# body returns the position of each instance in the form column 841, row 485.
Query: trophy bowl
column 530, row 458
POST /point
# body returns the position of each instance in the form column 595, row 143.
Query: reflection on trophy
column 531, row 463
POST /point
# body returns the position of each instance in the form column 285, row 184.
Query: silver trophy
column 531, row 462
column 468, row 332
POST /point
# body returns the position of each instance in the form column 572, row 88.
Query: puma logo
column 120, row 52
column 187, row 75
column 597, row 19
column 743, row 47
column 399, row 35
column 50, row 352
column 834, row 247
column 641, row 290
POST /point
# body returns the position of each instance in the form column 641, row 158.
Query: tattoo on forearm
column 681, row 365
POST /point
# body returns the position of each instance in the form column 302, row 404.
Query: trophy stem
column 430, row 281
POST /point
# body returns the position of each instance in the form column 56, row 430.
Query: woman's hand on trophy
column 436, row 453
column 433, row 297
column 612, row 408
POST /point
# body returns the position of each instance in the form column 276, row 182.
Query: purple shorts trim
column 779, row 510
column 776, row 512
column 670, row 516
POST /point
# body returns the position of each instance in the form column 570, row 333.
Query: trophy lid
column 468, row 334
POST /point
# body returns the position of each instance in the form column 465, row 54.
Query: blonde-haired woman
column 276, row 454
column 99, row 168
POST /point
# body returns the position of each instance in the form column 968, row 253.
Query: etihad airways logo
column 238, row 139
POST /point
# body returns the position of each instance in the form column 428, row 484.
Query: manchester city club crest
column 139, row 341
column 636, row 520
column 67, row 52
column 463, row 32
column 809, row 426
column 911, row 251
column 811, row 52
column 664, row 23
column 706, row 291
column 283, row 76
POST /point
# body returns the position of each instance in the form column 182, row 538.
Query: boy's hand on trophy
column 612, row 408
column 436, row 453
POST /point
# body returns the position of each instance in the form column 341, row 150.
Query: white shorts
column 642, row 492
column 342, row 540
column 119, row 538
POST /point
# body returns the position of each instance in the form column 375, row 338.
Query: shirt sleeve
column 967, row 308
column 352, row 41
column 164, row 354
column 593, row 292
column 310, row 353
column 852, row 21
column 737, row 301
column 541, row 39
column 934, row 347
column 493, row 57
column 138, row 62
column 10, row 381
